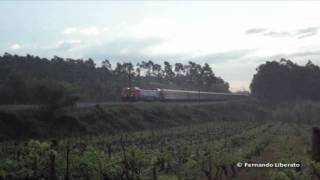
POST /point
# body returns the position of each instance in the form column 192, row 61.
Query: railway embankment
column 99, row 119
column 123, row 118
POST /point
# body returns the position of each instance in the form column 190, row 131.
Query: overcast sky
column 233, row 37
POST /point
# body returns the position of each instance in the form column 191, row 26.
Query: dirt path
column 270, row 154
column 273, row 153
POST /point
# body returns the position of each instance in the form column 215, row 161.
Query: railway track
column 17, row 107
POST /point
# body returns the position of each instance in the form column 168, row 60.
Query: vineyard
column 208, row 151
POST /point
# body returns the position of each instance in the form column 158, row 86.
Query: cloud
column 15, row 47
column 90, row 31
column 262, row 31
column 70, row 30
column 138, row 49
column 122, row 49
column 66, row 45
column 305, row 54
column 222, row 57
column 87, row 31
column 297, row 57
column 255, row 31
column 277, row 34
column 307, row 32
column 300, row 33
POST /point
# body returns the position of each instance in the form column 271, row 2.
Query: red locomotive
column 130, row 94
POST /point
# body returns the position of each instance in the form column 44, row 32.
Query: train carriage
column 149, row 95
column 136, row 94
column 181, row 95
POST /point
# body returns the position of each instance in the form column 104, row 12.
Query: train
column 138, row 94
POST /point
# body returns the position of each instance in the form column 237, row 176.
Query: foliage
column 205, row 151
column 169, row 153
column 286, row 81
column 55, row 95
column 22, row 77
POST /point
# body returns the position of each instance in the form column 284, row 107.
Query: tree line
column 31, row 79
column 284, row 80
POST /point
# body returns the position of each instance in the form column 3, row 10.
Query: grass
column 114, row 119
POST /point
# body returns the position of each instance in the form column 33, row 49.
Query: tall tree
column 21, row 75
column 168, row 72
column 107, row 65
column 286, row 81
column 157, row 71
column 208, row 76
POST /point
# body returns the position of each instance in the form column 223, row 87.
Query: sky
column 234, row 37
